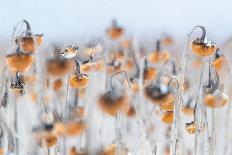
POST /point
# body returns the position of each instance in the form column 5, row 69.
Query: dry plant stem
column 102, row 123
column 197, row 113
column 211, row 138
column 176, row 123
column 176, row 144
column 5, row 72
column 212, row 143
column 121, row 72
column 15, row 28
column 78, row 69
column 118, row 118
column 141, row 116
column 10, row 137
column 201, row 118
column 65, row 114
column 41, row 100
column 154, row 152
column 49, row 151
column 228, row 113
column 203, row 107
column 118, row 134
column 227, row 129
column 76, row 99
column 16, row 125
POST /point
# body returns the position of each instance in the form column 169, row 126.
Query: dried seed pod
column 197, row 63
column 115, row 31
column 30, row 79
column 26, row 38
column 168, row 41
column 217, row 99
column 129, row 64
column 92, row 66
column 92, row 50
column 110, row 150
column 58, row 84
column 51, row 140
column 156, row 57
column 202, row 47
column 74, row 128
column 27, row 44
column 111, row 104
column 149, row 73
column 190, row 127
column 73, row 151
column 135, row 87
column 81, row 92
column 59, row 67
column 19, row 62
column 59, row 128
column 2, row 151
column 167, row 150
column 131, row 112
column 218, row 62
column 119, row 55
column 34, row 97
column 79, row 112
column 169, row 104
column 79, row 81
column 157, row 94
column 167, row 117
column 39, row 38
column 188, row 110
column 47, row 139
column 126, row 43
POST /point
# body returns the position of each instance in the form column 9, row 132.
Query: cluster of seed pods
column 115, row 96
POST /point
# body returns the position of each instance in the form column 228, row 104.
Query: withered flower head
column 111, row 103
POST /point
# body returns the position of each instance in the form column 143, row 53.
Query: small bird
column 70, row 51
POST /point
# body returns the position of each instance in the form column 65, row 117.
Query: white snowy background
column 76, row 19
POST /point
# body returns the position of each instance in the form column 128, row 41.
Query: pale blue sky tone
column 71, row 19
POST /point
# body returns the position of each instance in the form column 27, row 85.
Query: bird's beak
column 61, row 53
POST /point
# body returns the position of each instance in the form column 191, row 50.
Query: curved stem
column 189, row 101
column 136, row 65
column 27, row 24
column 158, row 46
column 203, row 36
column 161, row 70
column 28, row 28
column 126, row 77
column 179, row 98
column 78, row 67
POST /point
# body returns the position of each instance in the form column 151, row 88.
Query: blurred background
column 70, row 20
column 78, row 21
